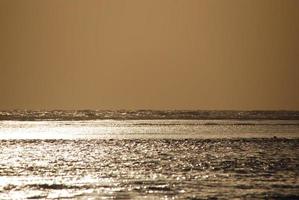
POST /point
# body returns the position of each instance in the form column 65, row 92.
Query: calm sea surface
column 203, row 156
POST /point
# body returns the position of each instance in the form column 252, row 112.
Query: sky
column 149, row 54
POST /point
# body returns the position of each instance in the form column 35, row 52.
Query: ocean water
column 136, row 155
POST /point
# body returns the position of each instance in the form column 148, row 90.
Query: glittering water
column 125, row 129
column 153, row 159
column 203, row 168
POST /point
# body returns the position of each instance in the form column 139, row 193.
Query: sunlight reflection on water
column 153, row 159
column 153, row 168
column 104, row 129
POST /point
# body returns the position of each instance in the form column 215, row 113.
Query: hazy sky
column 149, row 54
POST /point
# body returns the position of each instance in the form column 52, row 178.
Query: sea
column 149, row 154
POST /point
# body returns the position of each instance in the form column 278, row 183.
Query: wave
column 221, row 123
column 31, row 115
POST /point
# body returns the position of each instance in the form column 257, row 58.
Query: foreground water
column 153, row 159
column 164, row 168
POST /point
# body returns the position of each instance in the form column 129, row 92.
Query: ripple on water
column 154, row 168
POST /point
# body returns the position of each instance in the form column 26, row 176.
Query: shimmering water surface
column 149, row 159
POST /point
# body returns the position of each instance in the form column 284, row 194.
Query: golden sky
column 149, row 54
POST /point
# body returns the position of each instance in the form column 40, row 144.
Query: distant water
column 149, row 155
column 145, row 114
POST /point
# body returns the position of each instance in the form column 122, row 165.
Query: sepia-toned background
column 149, row 54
